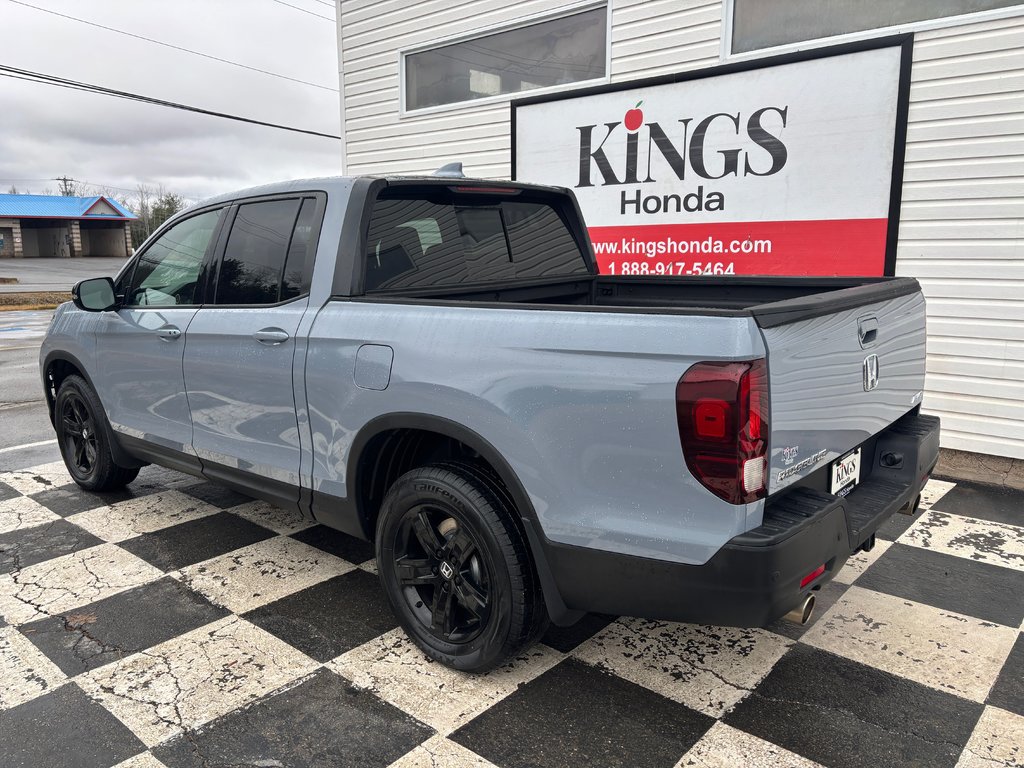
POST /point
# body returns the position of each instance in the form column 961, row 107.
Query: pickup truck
column 434, row 364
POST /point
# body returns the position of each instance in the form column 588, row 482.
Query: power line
column 98, row 185
column 325, row 2
column 304, row 10
column 95, row 185
column 171, row 45
column 62, row 82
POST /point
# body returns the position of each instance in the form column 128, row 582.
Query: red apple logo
column 634, row 118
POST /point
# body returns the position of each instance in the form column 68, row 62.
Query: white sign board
column 780, row 169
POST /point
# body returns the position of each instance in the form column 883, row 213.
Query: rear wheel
column 82, row 435
column 455, row 567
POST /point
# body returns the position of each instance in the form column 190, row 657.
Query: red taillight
column 812, row 576
column 722, row 410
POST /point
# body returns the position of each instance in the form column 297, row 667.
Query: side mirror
column 94, row 295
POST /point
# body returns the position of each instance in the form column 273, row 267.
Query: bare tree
column 142, row 206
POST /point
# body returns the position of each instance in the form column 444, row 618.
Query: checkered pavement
column 180, row 624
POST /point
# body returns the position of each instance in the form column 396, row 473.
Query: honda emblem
column 870, row 372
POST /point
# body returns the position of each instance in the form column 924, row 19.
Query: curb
column 998, row 471
column 29, row 300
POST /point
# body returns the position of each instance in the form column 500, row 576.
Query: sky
column 46, row 131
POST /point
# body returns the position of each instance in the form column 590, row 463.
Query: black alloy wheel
column 455, row 566
column 83, row 437
column 442, row 573
column 79, row 434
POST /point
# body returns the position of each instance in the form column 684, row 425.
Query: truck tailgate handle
column 271, row 336
column 169, row 332
column 867, row 330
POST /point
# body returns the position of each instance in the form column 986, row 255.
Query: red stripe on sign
column 847, row 247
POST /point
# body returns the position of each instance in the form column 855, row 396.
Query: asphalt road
column 54, row 274
column 23, row 417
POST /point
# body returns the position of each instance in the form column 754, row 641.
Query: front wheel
column 456, row 568
column 82, row 435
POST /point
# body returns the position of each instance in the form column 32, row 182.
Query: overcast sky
column 47, row 131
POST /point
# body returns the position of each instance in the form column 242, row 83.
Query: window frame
column 726, row 38
column 199, row 297
column 526, row 21
column 227, row 222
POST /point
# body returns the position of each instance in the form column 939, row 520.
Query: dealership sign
column 785, row 166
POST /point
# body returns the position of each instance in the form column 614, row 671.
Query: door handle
column 169, row 333
column 271, row 336
column 867, row 330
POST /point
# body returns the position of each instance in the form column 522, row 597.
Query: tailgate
column 838, row 377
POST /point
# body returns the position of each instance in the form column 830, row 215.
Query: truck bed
column 771, row 300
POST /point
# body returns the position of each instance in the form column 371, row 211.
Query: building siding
column 649, row 37
column 962, row 228
column 962, row 217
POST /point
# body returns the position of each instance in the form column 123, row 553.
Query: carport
column 49, row 226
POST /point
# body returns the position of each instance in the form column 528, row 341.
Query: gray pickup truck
column 435, row 365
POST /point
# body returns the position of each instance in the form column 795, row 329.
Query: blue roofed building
column 48, row 226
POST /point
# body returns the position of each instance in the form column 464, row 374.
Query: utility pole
column 66, row 188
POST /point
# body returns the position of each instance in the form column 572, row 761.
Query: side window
column 254, row 259
column 298, row 266
column 168, row 270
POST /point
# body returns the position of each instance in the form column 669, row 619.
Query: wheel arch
column 371, row 442
column 57, row 366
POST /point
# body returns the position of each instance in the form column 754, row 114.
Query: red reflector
column 709, row 418
column 812, row 576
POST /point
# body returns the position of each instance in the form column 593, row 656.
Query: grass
column 11, row 302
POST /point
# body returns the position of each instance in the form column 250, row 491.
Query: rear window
column 419, row 243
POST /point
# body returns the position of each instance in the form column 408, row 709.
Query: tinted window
column 418, row 243
column 167, row 271
column 298, row 266
column 541, row 243
column 254, row 259
column 484, row 247
column 563, row 50
column 764, row 23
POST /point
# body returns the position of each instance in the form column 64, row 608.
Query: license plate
column 845, row 473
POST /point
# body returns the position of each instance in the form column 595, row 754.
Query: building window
column 767, row 23
column 569, row 49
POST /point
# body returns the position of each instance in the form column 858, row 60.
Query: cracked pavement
column 180, row 624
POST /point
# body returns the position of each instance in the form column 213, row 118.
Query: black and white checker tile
column 180, row 624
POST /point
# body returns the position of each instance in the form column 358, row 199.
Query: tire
column 456, row 568
column 82, row 434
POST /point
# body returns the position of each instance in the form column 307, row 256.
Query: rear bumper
column 755, row 577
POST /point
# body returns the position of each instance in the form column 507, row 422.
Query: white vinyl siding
column 962, row 221
column 962, row 228
column 649, row 37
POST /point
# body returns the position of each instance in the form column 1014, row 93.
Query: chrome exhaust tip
column 802, row 613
